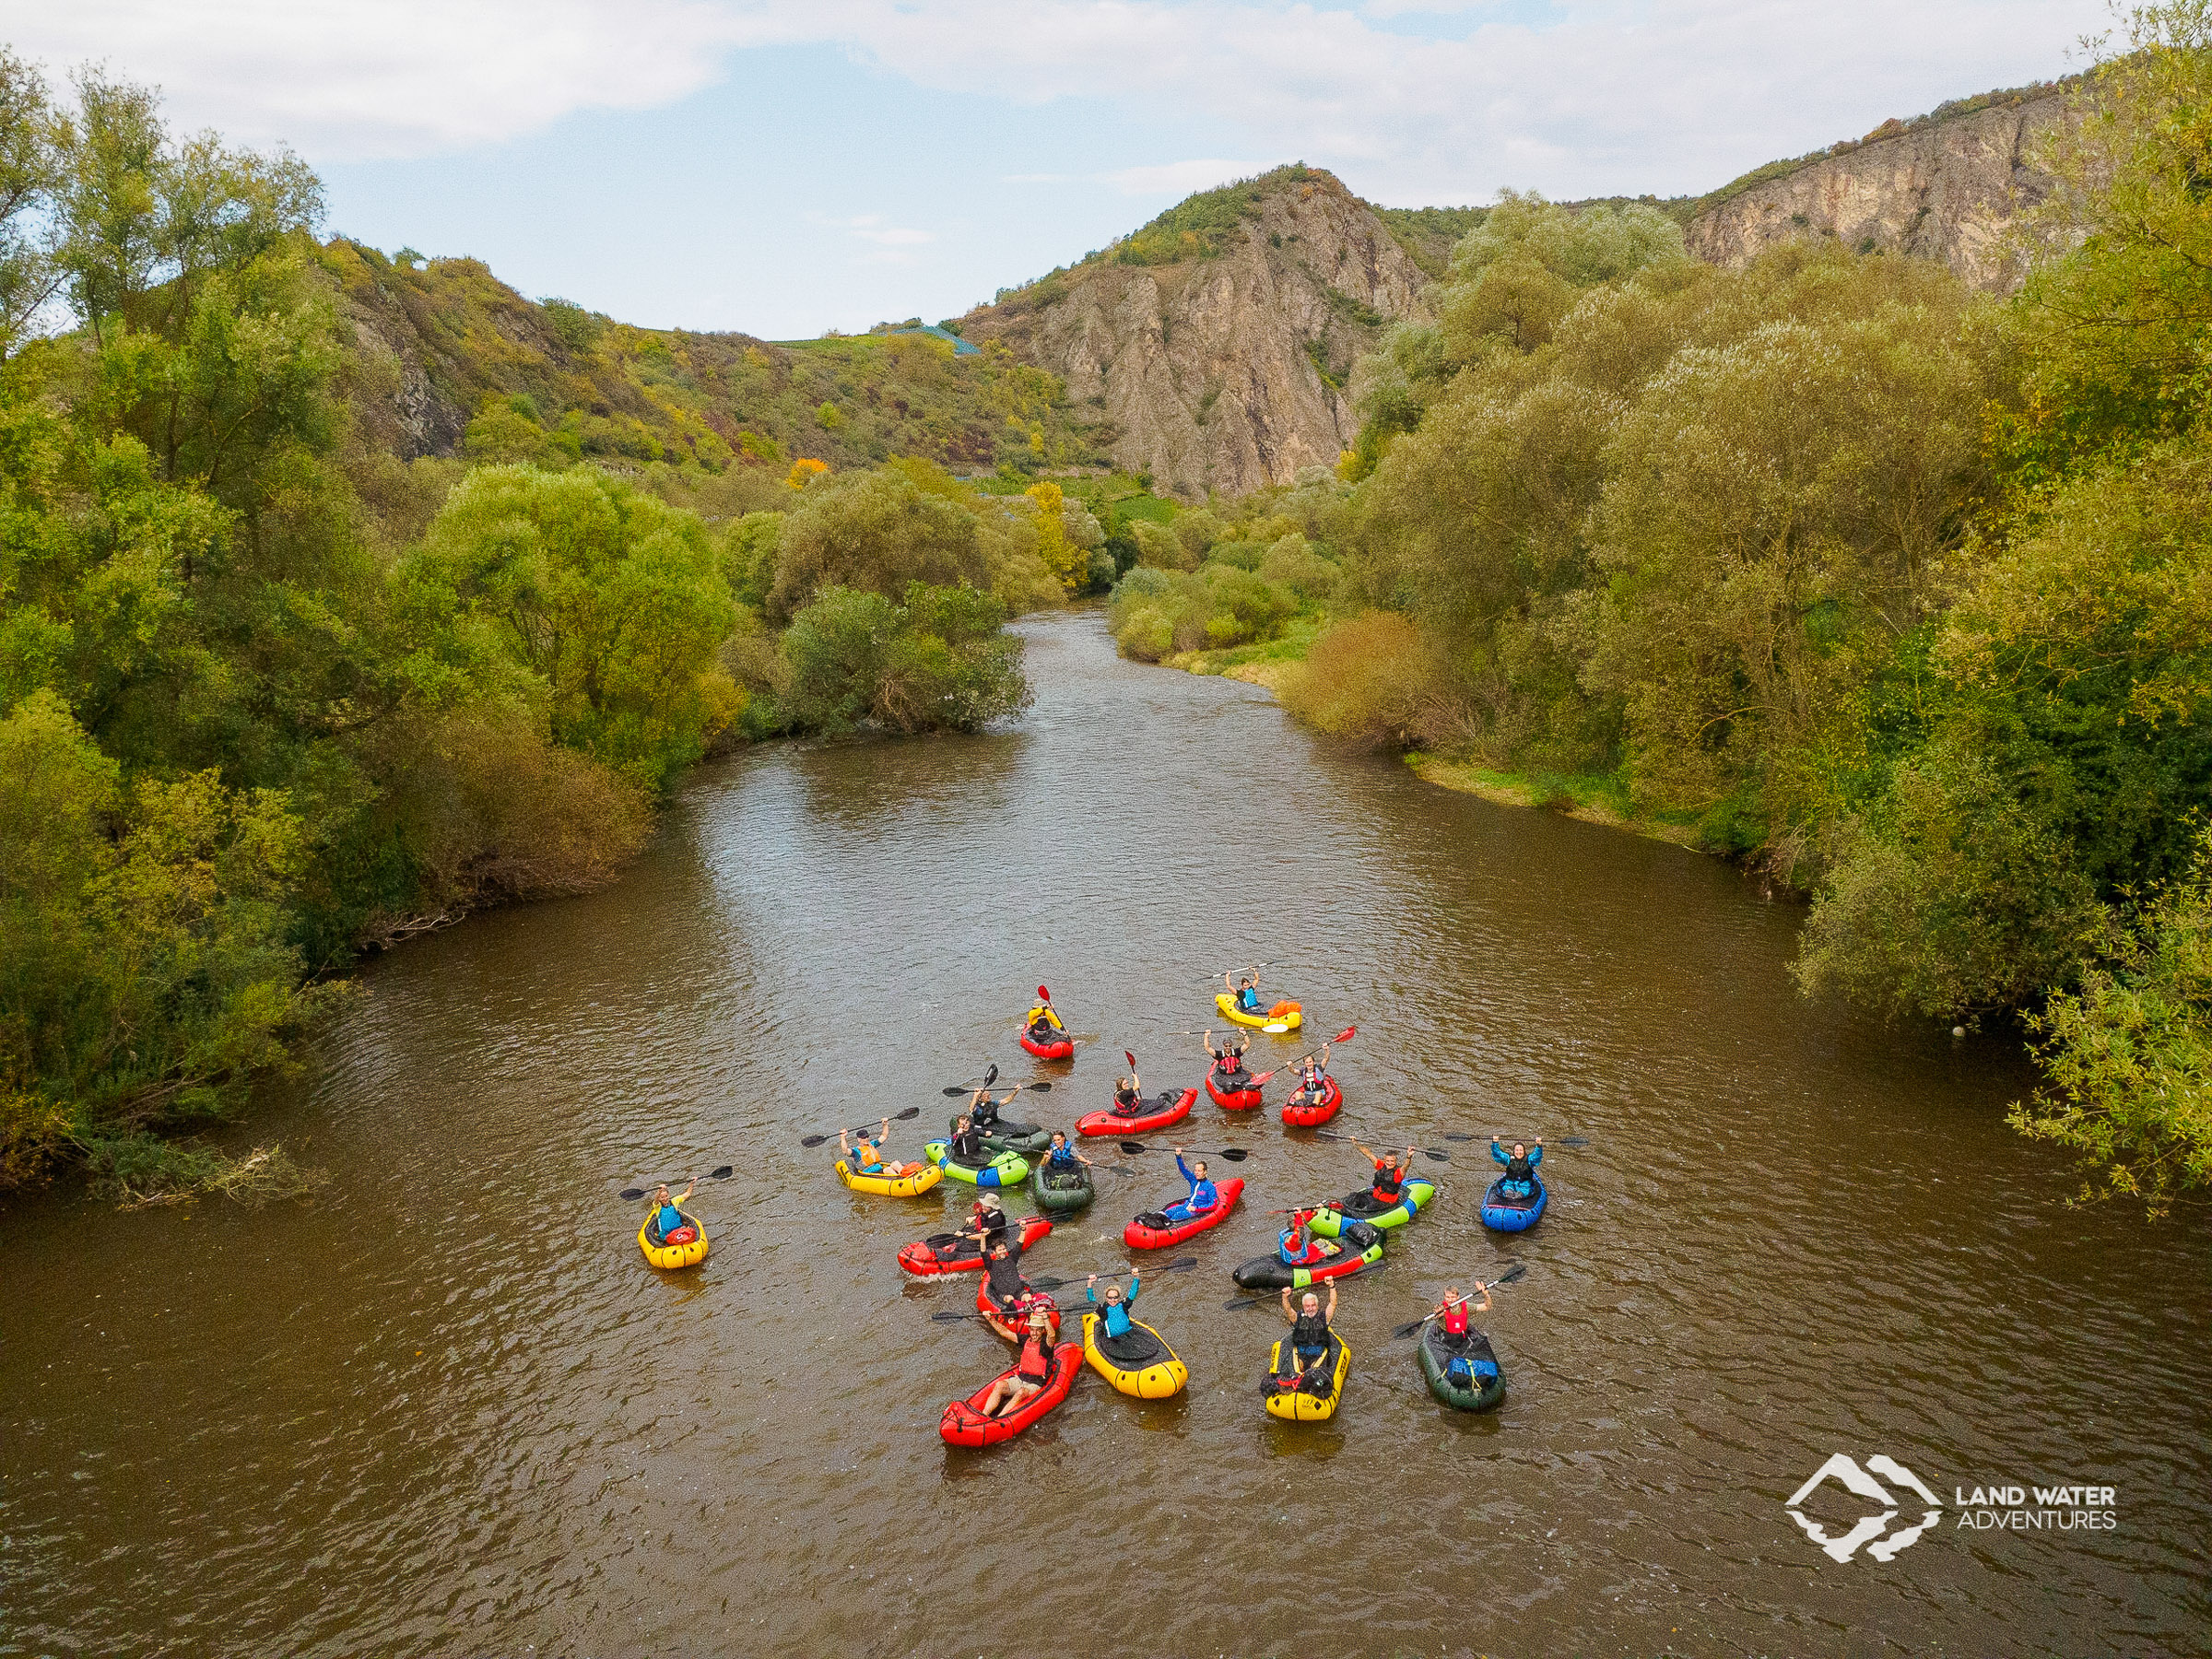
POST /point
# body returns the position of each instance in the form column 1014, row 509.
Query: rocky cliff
column 1947, row 187
column 1216, row 348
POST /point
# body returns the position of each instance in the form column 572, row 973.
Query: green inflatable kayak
column 1476, row 1384
column 1008, row 1170
column 1057, row 1191
column 1361, row 1206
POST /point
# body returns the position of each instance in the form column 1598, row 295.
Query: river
column 444, row 1408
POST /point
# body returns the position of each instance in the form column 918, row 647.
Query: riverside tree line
column 266, row 701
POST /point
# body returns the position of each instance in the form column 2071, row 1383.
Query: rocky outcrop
column 1230, row 370
column 1950, row 189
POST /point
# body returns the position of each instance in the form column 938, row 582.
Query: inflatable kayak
column 1008, row 1168
column 1364, row 1206
column 1479, row 1391
column 1057, row 1191
column 1314, row 1400
column 1056, row 1044
column 1234, row 1099
column 1029, row 1139
column 1168, row 1106
column 1302, row 1113
column 1140, row 1364
column 1144, row 1234
column 1267, row 1019
column 998, row 1321
column 1501, row 1214
column 949, row 1252
column 964, row 1423
column 688, row 1253
column 1362, row 1243
column 891, row 1186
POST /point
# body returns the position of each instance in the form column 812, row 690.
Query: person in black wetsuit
column 983, row 1111
column 967, row 1145
column 1309, row 1340
column 1009, row 1292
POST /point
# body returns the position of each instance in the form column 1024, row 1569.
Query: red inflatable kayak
column 962, row 1256
column 1165, row 1108
column 1301, row 1114
column 1059, row 1048
column 1141, row 1235
column 997, row 1321
column 964, row 1423
column 1235, row 1099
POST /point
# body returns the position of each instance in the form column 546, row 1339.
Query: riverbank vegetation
column 270, row 695
column 1894, row 589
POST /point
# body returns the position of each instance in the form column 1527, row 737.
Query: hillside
column 1218, row 344
column 451, row 362
column 1949, row 186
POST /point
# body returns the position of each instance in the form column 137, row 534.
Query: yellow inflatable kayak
column 1141, row 1364
column 675, row 1256
column 1267, row 1021
column 1305, row 1404
column 886, row 1186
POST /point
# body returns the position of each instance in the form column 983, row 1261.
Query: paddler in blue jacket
column 1116, row 1303
column 1203, row 1195
column 1521, row 1168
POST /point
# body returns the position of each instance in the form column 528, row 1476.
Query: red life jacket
column 1456, row 1319
column 1036, row 1362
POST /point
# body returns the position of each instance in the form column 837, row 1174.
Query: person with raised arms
column 1453, row 1312
column 864, row 1153
column 1204, row 1196
column 1245, row 991
column 1228, row 1062
column 1312, row 1076
column 1521, row 1168
column 1115, row 1304
column 1308, row 1330
column 1390, row 1174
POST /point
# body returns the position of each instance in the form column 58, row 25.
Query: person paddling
column 863, row 1155
column 1521, row 1168
column 983, row 1111
column 1129, row 1096
column 1031, row 1372
column 1203, row 1198
column 1044, row 1024
column 665, row 1216
column 1390, row 1174
column 1456, row 1333
column 1115, row 1304
column 1312, row 1077
column 1061, row 1158
column 1309, row 1332
column 967, row 1144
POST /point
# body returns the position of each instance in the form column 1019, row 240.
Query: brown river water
column 445, row 1408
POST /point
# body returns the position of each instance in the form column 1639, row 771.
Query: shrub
column 1366, row 678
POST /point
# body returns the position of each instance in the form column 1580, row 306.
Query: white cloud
column 1605, row 95
column 1179, row 178
column 896, row 237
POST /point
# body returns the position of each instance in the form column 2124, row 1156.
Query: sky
column 784, row 167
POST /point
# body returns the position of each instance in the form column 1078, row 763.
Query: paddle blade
column 1043, row 994
column 950, row 1318
column 1430, row 1152
column 1242, row 1302
column 1133, row 1147
column 1263, row 1077
column 1405, row 1331
column 632, row 1195
column 991, row 1077
column 1346, row 1035
column 723, row 1173
column 900, row 1117
column 1274, row 1027
column 813, row 1140
column 1041, row 1088
column 1234, row 1154
column 1510, row 1273
column 956, row 1089
column 1131, row 1058
column 1573, row 1140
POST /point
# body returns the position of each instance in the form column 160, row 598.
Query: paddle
column 961, row 1089
column 1239, row 1303
column 1180, row 1264
column 897, row 1117
column 1506, row 1277
column 1429, row 1152
column 1565, row 1140
column 632, row 1195
column 1234, row 1154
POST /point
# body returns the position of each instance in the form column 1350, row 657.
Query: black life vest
column 968, row 1145
column 1310, row 1331
column 1389, row 1184
column 1520, row 1169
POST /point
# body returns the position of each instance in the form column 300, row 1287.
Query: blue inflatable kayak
column 1501, row 1214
